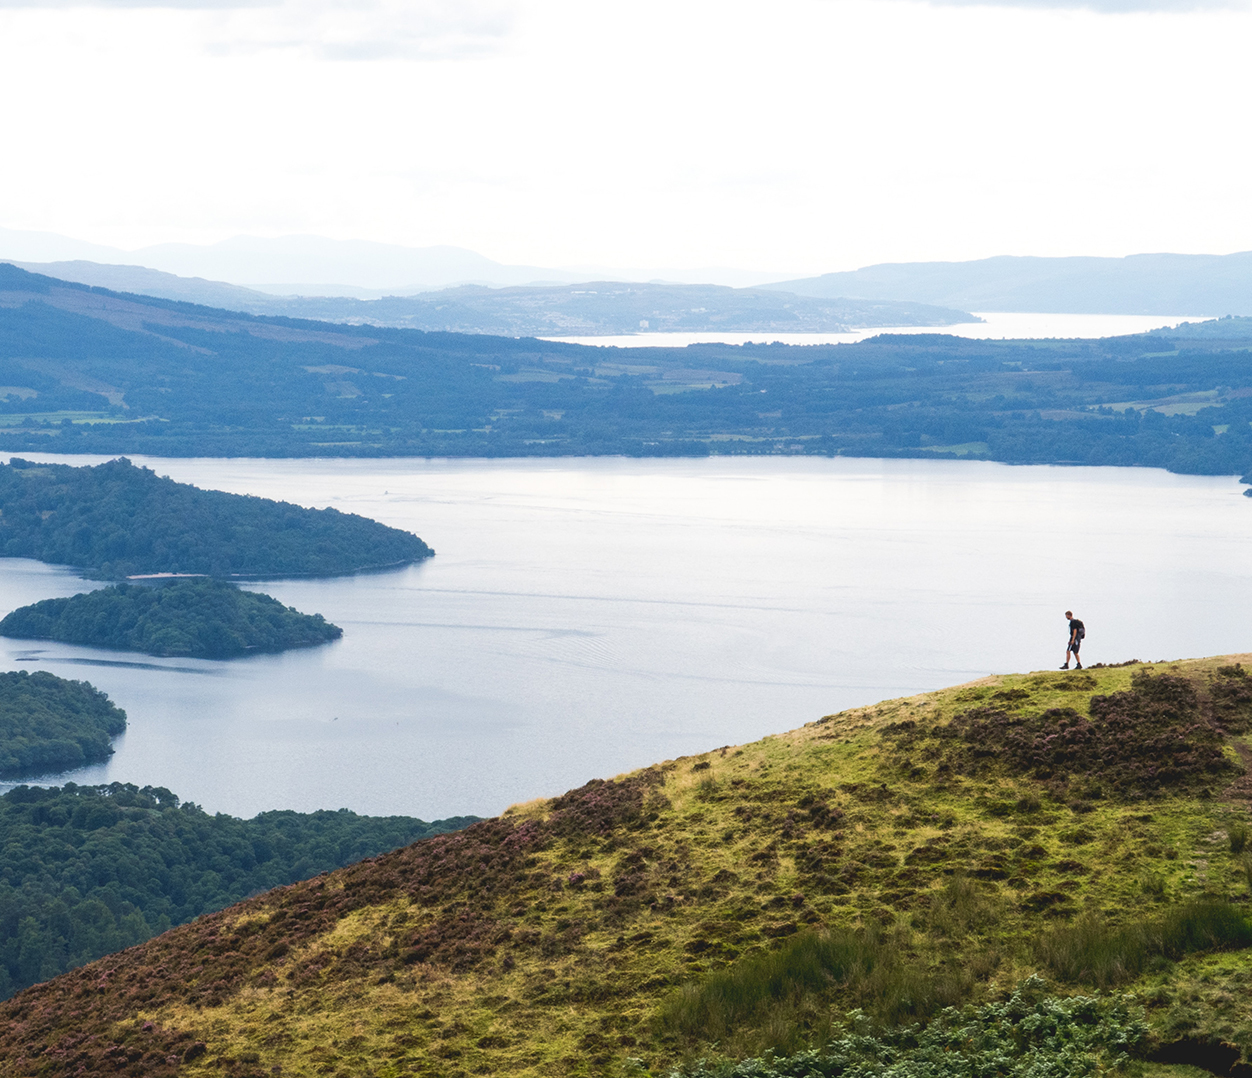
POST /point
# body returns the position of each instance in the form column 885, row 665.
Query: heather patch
column 1230, row 689
column 1150, row 740
column 600, row 807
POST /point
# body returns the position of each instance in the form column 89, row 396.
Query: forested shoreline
column 49, row 724
column 116, row 520
column 218, row 383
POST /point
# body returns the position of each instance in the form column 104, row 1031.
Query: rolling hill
column 1158, row 284
column 595, row 307
column 83, row 370
column 311, row 265
column 1009, row 846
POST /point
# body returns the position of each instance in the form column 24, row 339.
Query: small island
column 48, row 723
column 193, row 618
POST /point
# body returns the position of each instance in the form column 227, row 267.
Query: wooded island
column 197, row 618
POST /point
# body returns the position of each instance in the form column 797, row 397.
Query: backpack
column 1082, row 630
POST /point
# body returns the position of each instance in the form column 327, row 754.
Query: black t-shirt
column 1075, row 624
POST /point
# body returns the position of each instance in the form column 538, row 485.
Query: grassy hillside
column 1088, row 828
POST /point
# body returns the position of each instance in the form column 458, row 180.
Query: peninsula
column 116, row 520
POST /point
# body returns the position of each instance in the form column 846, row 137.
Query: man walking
column 1076, row 632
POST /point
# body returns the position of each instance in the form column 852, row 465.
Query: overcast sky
column 790, row 135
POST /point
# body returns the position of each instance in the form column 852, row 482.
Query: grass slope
column 203, row 618
column 1085, row 827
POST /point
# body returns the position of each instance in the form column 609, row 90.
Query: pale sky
column 793, row 135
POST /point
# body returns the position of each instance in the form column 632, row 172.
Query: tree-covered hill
column 861, row 897
column 117, row 520
column 202, row 618
column 588, row 307
column 85, row 370
column 50, row 724
column 607, row 307
column 88, row 870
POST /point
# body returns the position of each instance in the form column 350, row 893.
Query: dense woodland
column 118, row 520
column 88, row 870
column 195, row 381
column 49, row 724
column 199, row 618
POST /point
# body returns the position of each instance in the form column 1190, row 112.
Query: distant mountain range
column 595, row 308
column 318, row 266
column 241, row 272
column 141, row 281
column 1203, row 285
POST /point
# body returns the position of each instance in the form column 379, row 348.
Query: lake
column 995, row 325
column 587, row 616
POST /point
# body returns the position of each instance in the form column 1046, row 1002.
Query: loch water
column 991, row 325
column 587, row 616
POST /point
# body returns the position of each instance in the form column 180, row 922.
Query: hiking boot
column 1065, row 667
column 1078, row 666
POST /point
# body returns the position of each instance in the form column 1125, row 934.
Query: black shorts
column 1073, row 646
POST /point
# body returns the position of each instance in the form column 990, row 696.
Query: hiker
column 1076, row 632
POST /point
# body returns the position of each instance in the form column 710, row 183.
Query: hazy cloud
column 1107, row 7
column 369, row 29
column 189, row 5
column 332, row 29
column 185, row 5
